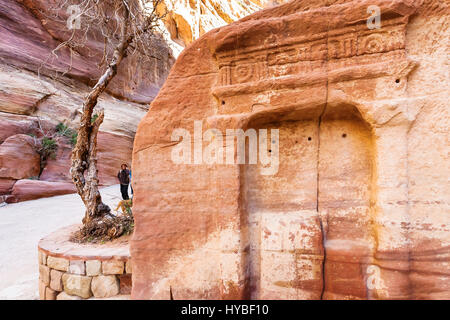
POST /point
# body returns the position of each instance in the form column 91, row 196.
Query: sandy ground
column 22, row 225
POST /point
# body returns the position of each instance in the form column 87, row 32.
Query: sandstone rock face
column 29, row 102
column 186, row 21
column 25, row 190
column 30, row 32
column 57, row 169
column 19, row 158
column 11, row 124
column 358, row 205
column 6, row 186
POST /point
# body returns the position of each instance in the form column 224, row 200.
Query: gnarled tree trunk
column 84, row 155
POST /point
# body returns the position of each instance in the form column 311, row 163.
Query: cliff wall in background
column 40, row 89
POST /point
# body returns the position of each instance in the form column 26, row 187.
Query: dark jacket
column 124, row 176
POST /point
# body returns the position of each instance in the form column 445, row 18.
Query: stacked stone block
column 66, row 278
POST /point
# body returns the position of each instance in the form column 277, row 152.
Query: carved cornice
column 342, row 48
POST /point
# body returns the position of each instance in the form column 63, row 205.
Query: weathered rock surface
column 125, row 283
column 11, row 124
column 6, row 186
column 24, row 190
column 93, row 267
column 105, row 286
column 29, row 32
column 112, row 267
column 77, row 285
column 28, row 102
column 56, row 280
column 77, row 267
column 50, row 294
column 57, row 263
column 44, row 274
column 358, row 208
column 19, row 158
column 186, row 21
column 32, row 31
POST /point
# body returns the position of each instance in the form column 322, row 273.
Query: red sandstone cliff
column 358, row 208
column 34, row 100
column 187, row 20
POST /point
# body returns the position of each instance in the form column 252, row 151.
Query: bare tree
column 127, row 27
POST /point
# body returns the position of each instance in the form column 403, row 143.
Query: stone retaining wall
column 70, row 271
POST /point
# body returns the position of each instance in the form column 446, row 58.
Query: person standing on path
column 124, row 179
column 131, row 185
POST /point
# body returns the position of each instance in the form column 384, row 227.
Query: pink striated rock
column 25, row 190
column 29, row 35
column 19, row 158
column 14, row 124
column 57, row 170
column 6, row 186
column 31, row 97
column 113, row 151
column 30, row 32
column 358, row 206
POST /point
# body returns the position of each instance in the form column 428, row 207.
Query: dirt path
column 22, row 225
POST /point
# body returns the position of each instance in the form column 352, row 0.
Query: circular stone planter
column 73, row 271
